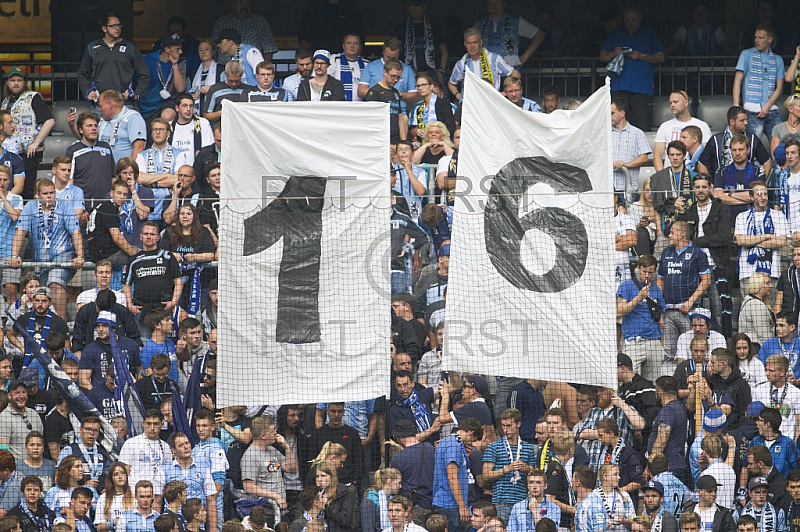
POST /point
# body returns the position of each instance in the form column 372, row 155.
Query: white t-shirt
column 335, row 70
column 116, row 508
column 623, row 224
column 684, row 351
column 794, row 202
column 183, row 138
column 89, row 296
column 702, row 216
column 762, row 393
column 781, row 227
column 671, row 130
column 707, row 518
column 725, row 475
column 145, row 458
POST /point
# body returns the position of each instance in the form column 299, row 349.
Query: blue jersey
column 72, row 195
column 122, row 131
column 449, row 451
column 212, row 453
column 134, row 521
column 504, row 489
column 681, row 271
column 791, row 350
column 639, row 321
column 8, row 226
column 199, row 483
column 51, row 233
column 785, row 455
column 151, row 349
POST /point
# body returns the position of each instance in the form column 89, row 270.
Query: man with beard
column 39, row 322
column 98, row 355
column 304, row 64
column 16, row 421
column 32, row 123
column 289, row 427
column 653, row 497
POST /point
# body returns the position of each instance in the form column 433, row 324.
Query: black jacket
column 737, row 389
column 83, row 331
column 332, row 91
column 723, row 519
column 716, row 230
column 26, row 523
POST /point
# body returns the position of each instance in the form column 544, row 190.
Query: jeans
column 453, row 519
column 757, row 126
column 504, row 510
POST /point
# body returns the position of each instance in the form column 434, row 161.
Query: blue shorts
column 59, row 276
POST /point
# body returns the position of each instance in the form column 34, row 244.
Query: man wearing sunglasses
column 17, row 421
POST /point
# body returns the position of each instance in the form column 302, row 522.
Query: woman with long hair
column 648, row 221
column 374, row 506
column 208, row 73
column 339, row 499
column 437, row 144
column 116, row 500
column 756, row 319
column 69, row 475
column 193, row 246
column 331, row 453
column 744, row 358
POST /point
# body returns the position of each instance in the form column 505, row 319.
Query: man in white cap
column 98, row 355
column 700, row 320
column 321, row 87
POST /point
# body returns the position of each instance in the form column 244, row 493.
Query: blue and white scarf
column 421, row 415
column 763, row 67
column 126, row 211
column 31, row 330
column 195, row 296
column 760, row 256
column 346, row 74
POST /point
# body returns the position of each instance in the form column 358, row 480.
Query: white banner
column 304, row 314
column 531, row 282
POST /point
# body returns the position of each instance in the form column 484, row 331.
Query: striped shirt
column 56, row 240
column 628, row 143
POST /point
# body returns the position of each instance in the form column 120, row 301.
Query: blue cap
column 779, row 153
column 755, row 408
column 654, row 485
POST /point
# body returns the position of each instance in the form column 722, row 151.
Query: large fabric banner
column 531, row 282
column 304, row 225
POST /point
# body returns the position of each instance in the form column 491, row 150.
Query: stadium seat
column 645, row 172
column 651, row 139
column 60, row 111
column 661, row 112
column 713, row 110
column 54, row 146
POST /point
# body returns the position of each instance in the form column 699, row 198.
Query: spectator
column 604, row 447
column 700, row 320
column 674, row 490
column 98, row 355
column 69, row 477
column 229, row 89
column 175, row 497
column 93, row 457
column 32, row 124
column 512, row 90
column 143, row 513
column 553, row 422
column 642, row 49
column 102, row 274
column 208, row 73
column 189, row 44
column 56, row 239
column 672, row 195
column 321, row 87
column 720, row 520
column 625, row 238
column 34, row 463
column 783, row 41
column 102, row 397
column 749, row 365
column 712, row 457
column 692, row 137
column 709, row 221
column 759, row 506
column 77, row 513
column 184, row 192
column 347, row 66
column 189, row 132
column 8, row 470
column 109, row 221
column 112, row 63
column 671, row 129
column 637, row 392
column 501, row 31
column 167, row 75
column 759, row 239
column 145, row 454
column 39, row 322
column 718, row 154
column 199, row 482
column 535, row 507
column 60, row 431
column 399, row 510
column 700, row 37
column 31, row 510
column 9, row 158
column 324, row 23
column 29, row 284
column 160, row 324
column 593, row 512
column 160, row 163
column 778, row 393
column 340, row 500
column 374, row 72
column 83, row 331
column 313, row 502
column 88, row 173
column 254, row 29
column 725, row 379
column 759, row 464
column 450, row 481
column 154, row 275
column 158, row 388
column 474, row 392
column 506, row 463
column 654, row 509
column 436, row 144
column 265, row 90
column 759, row 83
column 385, row 91
column 791, row 75
column 194, row 515
column 335, row 431
column 422, row 39
column 553, row 43
column 789, row 129
column 429, row 290
column 489, row 66
column 303, row 63
column 784, row 343
column 415, row 462
column 755, row 316
column 211, row 450
column 683, row 282
column 231, row 44
column 631, row 149
column 189, row 346
column 262, row 465
column 9, row 215
column 785, row 455
column 430, row 109
column 375, row 505
column 121, row 127
column 668, row 434
column 210, row 204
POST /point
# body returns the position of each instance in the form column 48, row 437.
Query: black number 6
column 504, row 229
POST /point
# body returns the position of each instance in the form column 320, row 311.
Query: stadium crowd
column 701, row 433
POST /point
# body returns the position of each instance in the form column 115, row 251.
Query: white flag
column 304, row 314
column 531, row 280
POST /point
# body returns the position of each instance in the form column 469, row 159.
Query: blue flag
column 78, row 403
column 125, row 392
column 193, row 387
column 179, row 418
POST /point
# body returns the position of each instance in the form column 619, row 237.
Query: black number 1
column 295, row 215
